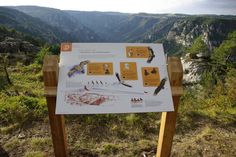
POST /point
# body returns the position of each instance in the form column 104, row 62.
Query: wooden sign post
column 57, row 124
column 168, row 119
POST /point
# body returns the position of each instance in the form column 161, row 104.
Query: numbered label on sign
column 151, row 76
column 128, row 71
column 100, row 69
column 137, row 52
column 66, row 47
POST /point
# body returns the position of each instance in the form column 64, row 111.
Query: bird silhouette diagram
column 79, row 68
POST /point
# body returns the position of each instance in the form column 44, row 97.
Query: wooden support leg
column 167, row 130
column 168, row 119
column 57, row 123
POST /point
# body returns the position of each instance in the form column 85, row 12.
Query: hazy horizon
column 117, row 11
column 190, row 7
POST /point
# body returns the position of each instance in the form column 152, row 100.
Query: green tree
column 4, row 62
column 55, row 49
column 224, row 56
column 197, row 47
column 40, row 56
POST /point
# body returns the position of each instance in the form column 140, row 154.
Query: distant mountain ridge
column 81, row 26
column 43, row 29
column 22, row 22
column 61, row 20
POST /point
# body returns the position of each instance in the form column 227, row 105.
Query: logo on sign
column 66, row 47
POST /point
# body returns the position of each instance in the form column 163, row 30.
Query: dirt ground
column 34, row 140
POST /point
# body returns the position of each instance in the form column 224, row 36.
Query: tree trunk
column 7, row 75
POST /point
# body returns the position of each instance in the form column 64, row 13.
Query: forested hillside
column 75, row 29
column 207, row 113
column 24, row 23
column 174, row 30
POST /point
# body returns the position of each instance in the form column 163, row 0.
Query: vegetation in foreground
column 205, row 127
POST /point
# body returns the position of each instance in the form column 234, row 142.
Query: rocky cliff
column 14, row 45
column 214, row 30
column 176, row 31
column 18, row 49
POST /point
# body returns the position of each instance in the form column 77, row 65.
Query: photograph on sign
column 112, row 78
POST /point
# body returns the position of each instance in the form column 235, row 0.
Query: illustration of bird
column 121, row 81
column 78, row 68
column 161, row 86
column 151, row 55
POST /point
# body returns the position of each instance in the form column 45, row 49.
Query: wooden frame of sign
column 57, row 123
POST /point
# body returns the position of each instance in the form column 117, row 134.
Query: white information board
column 99, row 78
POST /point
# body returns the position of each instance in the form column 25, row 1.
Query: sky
column 218, row 7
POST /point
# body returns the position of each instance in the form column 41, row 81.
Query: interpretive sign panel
column 112, row 78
